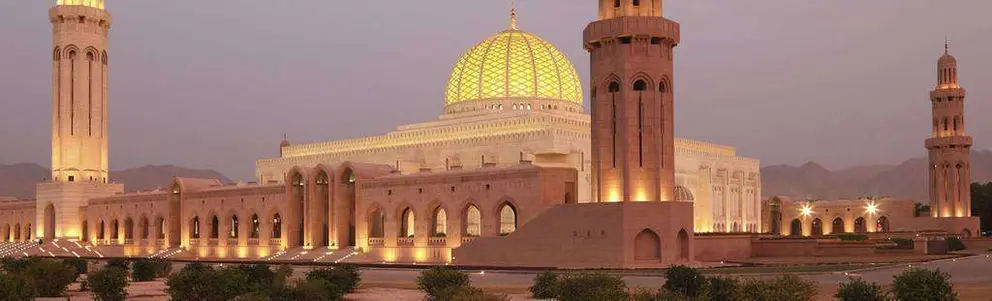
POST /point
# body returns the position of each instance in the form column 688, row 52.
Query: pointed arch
column 322, row 203
column 837, row 226
column 128, row 228
column 647, row 245
column 882, row 224
column 376, row 222
column 641, row 82
column 471, row 220
column 194, row 227
column 507, row 216
column 214, row 226
column 439, row 221
column 233, row 225
column 407, row 222
column 276, row 232
column 298, row 180
column 143, row 226
column 816, row 228
column 860, row 225
column 796, row 228
column 101, row 231
column 683, row 245
column 57, row 53
column 160, row 227
column 50, row 221
column 256, row 225
column 611, row 83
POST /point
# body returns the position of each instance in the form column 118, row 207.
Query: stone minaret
column 632, row 48
column 79, row 85
column 79, row 117
column 949, row 146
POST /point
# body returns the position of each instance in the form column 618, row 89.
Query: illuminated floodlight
column 807, row 210
column 871, row 208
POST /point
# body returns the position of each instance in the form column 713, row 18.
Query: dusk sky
column 215, row 84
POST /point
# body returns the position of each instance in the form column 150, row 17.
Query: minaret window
column 616, row 3
column 637, row 2
column 72, row 92
column 614, row 88
column 640, row 86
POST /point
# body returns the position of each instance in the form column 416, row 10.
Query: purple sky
column 215, row 84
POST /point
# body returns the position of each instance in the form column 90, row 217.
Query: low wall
column 810, row 247
column 714, row 247
column 977, row 244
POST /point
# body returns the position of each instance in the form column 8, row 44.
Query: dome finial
column 946, row 44
column 513, row 14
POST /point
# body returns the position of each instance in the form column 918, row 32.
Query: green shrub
column 197, row 282
column 16, row 287
column 162, row 268
column 120, row 264
column 81, row 265
column 684, row 280
column 592, row 287
column 643, row 294
column 142, row 270
column 545, row 286
column 903, row 243
column 108, row 284
column 439, row 283
column 309, row 290
column 50, row 277
column 859, row 290
column 17, row 265
column 955, row 244
column 852, row 237
column 789, row 287
column 344, row 277
column 920, row 284
column 721, row 289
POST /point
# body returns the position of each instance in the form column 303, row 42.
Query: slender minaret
column 949, row 146
column 79, row 117
column 632, row 47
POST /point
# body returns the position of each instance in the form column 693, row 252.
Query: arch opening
column 49, row 222
column 860, row 226
column 472, row 221
column 647, row 246
column 507, row 219
column 817, row 227
column 837, row 226
column 439, row 223
column 377, row 221
column 796, row 228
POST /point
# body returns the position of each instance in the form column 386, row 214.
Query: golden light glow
column 513, row 63
column 90, row 3
column 613, row 196
column 871, row 208
column 807, row 210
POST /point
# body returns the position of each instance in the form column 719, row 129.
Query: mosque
column 513, row 172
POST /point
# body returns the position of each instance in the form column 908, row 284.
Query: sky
column 215, row 84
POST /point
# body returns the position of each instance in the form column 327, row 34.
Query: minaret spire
column 946, row 44
column 513, row 14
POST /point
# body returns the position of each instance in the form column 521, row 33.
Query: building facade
column 949, row 147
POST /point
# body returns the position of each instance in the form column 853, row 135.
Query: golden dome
column 90, row 3
column 510, row 64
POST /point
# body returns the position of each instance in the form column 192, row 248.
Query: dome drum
column 513, row 104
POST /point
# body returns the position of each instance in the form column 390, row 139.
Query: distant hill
column 18, row 180
column 908, row 180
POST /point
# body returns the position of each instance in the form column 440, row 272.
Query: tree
column 51, row 278
column 546, row 286
column 721, row 289
column 16, row 287
column 981, row 204
column 923, row 285
column 684, row 280
column 593, row 287
column 440, row 283
column 143, row 270
column 859, row 290
column 108, row 284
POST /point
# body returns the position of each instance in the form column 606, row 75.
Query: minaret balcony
column 627, row 26
column 949, row 141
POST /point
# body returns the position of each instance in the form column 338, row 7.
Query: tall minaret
column 79, row 117
column 949, row 146
column 632, row 47
column 79, row 85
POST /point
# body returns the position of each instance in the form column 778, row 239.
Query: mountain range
column 18, row 180
column 907, row 180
